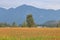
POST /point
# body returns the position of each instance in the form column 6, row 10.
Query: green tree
column 30, row 21
column 14, row 24
column 24, row 24
column 4, row 25
column 58, row 24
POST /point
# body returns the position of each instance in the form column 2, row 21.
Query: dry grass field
column 29, row 33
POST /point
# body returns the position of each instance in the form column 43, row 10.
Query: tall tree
column 14, row 24
column 30, row 21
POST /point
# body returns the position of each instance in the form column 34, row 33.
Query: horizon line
column 28, row 5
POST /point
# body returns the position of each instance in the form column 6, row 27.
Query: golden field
column 29, row 33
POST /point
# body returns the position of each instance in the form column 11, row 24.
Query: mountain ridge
column 19, row 14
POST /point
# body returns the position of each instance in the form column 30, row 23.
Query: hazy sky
column 47, row 4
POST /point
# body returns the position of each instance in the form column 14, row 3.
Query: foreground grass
column 32, row 38
column 29, row 33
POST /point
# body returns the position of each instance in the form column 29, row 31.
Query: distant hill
column 19, row 14
column 52, row 23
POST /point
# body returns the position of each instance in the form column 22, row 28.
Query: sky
column 45, row 4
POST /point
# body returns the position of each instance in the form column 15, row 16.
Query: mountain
column 18, row 14
column 52, row 23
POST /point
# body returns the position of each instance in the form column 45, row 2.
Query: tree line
column 28, row 23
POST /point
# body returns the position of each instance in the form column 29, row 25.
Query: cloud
column 10, row 3
column 46, row 4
